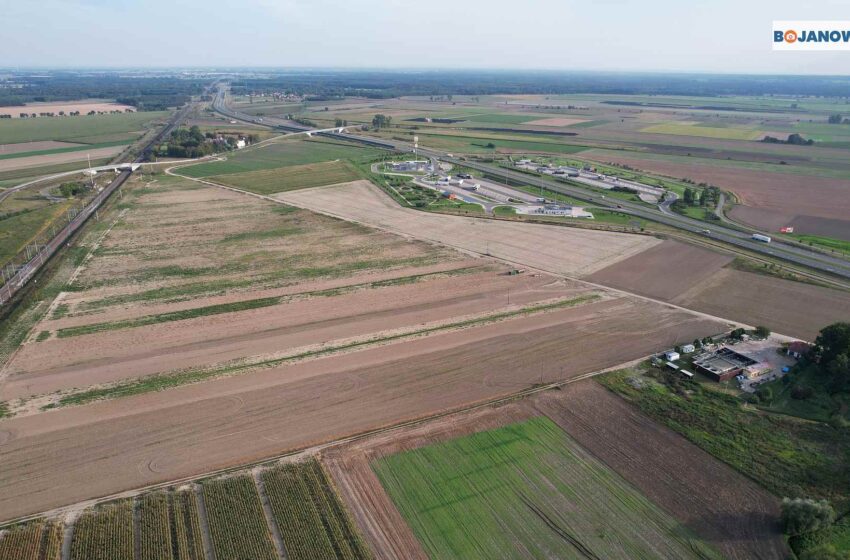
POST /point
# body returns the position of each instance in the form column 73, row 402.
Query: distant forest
column 143, row 93
column 159, row 90
column 326, row 84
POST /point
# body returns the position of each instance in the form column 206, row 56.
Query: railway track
column 28, row 270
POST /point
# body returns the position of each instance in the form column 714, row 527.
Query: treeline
column 192, row 143
column 143, row 93
column 326, row 85
column 793, row 139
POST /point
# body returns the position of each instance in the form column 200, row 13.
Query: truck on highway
column 760, row 237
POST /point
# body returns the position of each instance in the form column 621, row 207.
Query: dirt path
column 274, row 530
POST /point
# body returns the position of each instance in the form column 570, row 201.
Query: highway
column 776, row 249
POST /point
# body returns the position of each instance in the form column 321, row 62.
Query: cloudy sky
column 646, row 35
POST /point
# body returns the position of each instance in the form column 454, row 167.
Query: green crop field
column 727, row 133
column 17, row 176
column 527, row 491
column 87, row 128
column 105, row 533
column 281, row 154
column 313, row 522
column 238, row 526
column 268, row 181
column 473, row 144
column 37, row 540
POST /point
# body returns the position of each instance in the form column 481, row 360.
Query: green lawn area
column 527, row 490
column 281, row 154
column 727, row 133
column 825, row 242
column 613, row 217
column 504, row 211
column 85, row 128
column 18, row 230
column 478, row 144
column 786, row 455
column 268, row 181
column 820, row 406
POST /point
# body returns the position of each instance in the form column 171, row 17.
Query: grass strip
column 160, row 382
column 241, row 305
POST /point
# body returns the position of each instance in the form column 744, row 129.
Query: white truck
column 760, row 237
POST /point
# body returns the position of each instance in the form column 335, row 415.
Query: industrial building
column 560, row 210
column 412, row 165
column 726, row 363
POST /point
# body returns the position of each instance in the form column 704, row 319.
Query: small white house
column 672, row 356
column 688, row 349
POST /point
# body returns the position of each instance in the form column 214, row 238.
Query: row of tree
column 837, row 119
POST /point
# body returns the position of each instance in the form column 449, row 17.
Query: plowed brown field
column 64, row 456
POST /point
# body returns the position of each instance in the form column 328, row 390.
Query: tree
column 689, row 196
column 762, row 331
column 381, row 121
column 338, row 122
column 801, row 515
column 833, row 341
column 835, row 119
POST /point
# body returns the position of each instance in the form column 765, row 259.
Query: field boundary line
column 317, row 448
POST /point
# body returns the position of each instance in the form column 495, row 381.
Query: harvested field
column 526, row 490
column 87, row 129
column 290, row 178
column 53, row 159
column 704, row 281
column 23, row 147
column 65, row 456
column 68, row 106
column 787, row 307
column 568, row 251
column 555, row 121
column 779, row 197
column 687, row 129
column 277, row 330
column 662, row 272
column 823, row 227
column 706, row 495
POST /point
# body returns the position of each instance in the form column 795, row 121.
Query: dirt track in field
column 68, row 455
column 697, row 278
column 777, row 197
column 103, row 357
column 555, row 121
column 562, row 250
column 706, row 495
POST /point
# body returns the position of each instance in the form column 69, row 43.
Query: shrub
column 801, row 392
column 804, row 515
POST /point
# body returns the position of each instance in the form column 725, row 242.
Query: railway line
column 28, row 270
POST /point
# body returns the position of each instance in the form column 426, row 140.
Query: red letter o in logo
column 790, row 36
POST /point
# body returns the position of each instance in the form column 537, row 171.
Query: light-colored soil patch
column 280, row 330
column 706, row 495
column 23, row 147
column 568, row 251
column 52, row 159
column 68, row 106
column 68, row 455
column 555, row 121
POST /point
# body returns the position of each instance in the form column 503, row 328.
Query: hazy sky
column 680, row 35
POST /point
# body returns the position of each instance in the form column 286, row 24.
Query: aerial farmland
column 320, row 315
